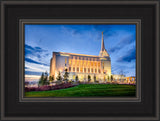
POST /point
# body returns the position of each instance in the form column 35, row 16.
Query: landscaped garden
column 84, row 90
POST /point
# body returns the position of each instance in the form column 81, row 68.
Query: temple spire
column 102, row 44
column 103, row 51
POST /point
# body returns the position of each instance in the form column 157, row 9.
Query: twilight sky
column 42, row 40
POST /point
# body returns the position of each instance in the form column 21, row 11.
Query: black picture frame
column 23, row 22
column 12, row 108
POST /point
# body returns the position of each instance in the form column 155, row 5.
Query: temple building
column 82, row 65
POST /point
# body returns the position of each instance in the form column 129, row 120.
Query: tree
column 108, row 78
column 65, row 76
column 89, row 78
column 104, row 79
column 59, row 78
column 121, row 73
column 94, row 78
column 51, row 78
column 44, row 79
column 76, row 78
column 111, row 77
column 40, row 82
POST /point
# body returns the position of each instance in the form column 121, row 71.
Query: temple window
column 91, row 63
column 73, row 69
column 95, row 63
column 88, row 70
column 98, row 64
column 65, row 60
column 99, row 71
column 77, row 62
column 73, row 62
column 77, row 69
column 88, row 63
column 69, row 61
column 95, row 70
column 81, row 69
column 84, row 70
column 69, row 69
column 92, row 70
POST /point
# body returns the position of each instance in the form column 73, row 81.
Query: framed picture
column 80, row 75
column 80, row 60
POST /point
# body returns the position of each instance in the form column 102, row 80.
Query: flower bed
column 46, row 87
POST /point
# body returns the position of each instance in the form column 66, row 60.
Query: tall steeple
column 103, row 51
column 102, row 44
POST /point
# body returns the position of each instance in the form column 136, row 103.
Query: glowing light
column 103, row 59
column 64, row 54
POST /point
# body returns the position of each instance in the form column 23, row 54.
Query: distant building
column 130, row 80
column 82, row 65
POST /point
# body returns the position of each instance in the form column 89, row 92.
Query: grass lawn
column 88, row 90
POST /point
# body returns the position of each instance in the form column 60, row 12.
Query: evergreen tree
column 111, row 77
column 40, row 83
column 94, row 78
column 77, row 78
column 44, row 79
column 51, row 78
column 108, row 78
column 59, row 78
column 65, row 76
column 89, row 78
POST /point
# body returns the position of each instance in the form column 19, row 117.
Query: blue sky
column 42, row 40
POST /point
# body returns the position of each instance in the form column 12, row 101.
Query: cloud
column 26, row 67
column 32, row 73
column 107, row 29
column 127, row 40
column 33, row 61
column 76, row 32
column 35, row 67
column 72, row 30
column 127, row 69
column 114, row 49
column 32, row 77
column 131, row 55
column 36, row 55
column 33, row 50
column 36, row 60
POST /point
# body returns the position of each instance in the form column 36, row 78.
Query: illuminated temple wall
column 81, row 65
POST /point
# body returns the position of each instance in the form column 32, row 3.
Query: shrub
column 46, row 87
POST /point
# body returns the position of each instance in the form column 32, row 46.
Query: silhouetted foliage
column 59, row 78
column 94, row 78
column 44, row 79
column 111, row 77
column 76, row 78
column 51, row 78
column 89, row 78
column 65, row 76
